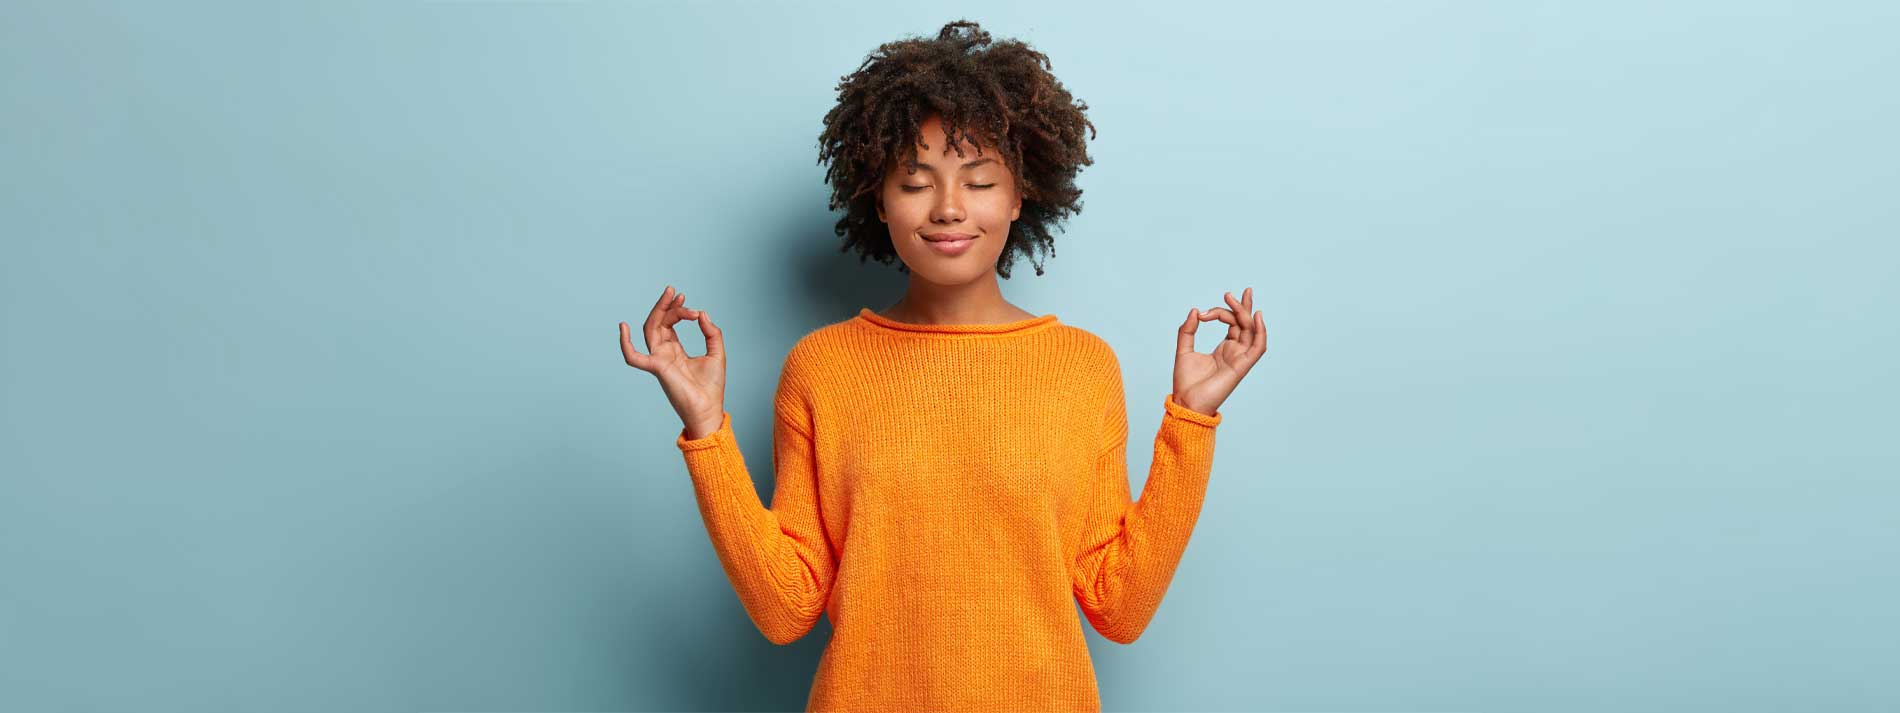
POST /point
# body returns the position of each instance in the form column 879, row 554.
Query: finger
column 1238, row 330
column 660, row 331
column 1246, row 301
column 1184, row 337
column 1220, row 313
column 681, row 311
column 715, row 340
column 1260, row 339
column 653, row 315
column 650, row 329
column 1250, row 349
column 673, row 315
column 634, row 358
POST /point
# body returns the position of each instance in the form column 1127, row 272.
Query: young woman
column 951, row 471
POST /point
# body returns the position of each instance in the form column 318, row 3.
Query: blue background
column 1579, row 393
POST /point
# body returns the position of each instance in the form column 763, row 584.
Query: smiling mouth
column 951, row 247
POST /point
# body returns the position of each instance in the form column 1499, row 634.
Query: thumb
column 715, row 340
column 1184, row 338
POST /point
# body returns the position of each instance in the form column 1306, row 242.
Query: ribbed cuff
column 719, row 436
column 1175, row 409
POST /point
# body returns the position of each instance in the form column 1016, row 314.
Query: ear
column 1017, row 210
column 880, row 210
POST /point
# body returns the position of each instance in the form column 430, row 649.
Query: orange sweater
column 943, row 493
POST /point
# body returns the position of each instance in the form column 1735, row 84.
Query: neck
column 977, row 302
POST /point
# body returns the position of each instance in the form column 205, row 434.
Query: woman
column 950, row 471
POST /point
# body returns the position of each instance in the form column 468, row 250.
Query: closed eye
column 914, row 189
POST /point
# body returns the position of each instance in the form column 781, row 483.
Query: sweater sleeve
column 779, row 560
column 1129, row 550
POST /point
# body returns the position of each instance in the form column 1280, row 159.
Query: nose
column 948, row 208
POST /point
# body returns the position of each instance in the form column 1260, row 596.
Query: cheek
column 902, row 212
column 995, row 209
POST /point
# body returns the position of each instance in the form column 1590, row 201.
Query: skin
column 974, row 194
column 943, row 195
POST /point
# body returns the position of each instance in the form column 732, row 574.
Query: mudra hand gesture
column 1203, row 381
column 696, row 385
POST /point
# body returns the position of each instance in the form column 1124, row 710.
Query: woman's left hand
column 1203, row 381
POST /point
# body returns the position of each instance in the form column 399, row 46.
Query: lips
column 951, row 244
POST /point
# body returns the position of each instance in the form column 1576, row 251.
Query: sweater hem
column 1174, row 408
column 710, row 440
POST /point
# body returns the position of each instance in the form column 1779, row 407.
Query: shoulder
column 1087, row 347
column 818, row 352
column 806, row 374
column 1087, row 359
column 1094, row 373
column 820, row 344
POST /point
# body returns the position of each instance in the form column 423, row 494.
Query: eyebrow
column 913, row 163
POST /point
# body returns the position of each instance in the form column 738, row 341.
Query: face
column 936, row 195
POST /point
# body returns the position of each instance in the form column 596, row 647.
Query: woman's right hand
column 696, row 385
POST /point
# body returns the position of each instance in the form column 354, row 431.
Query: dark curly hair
column 999, row 95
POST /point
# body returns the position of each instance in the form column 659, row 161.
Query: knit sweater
column 944, row 493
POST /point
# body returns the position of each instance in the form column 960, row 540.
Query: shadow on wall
column 728, row 665
column 836, row 283
column 714, row 657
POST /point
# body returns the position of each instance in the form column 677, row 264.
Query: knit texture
column 945, row 494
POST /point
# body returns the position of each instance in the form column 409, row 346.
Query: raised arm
column 1130, row 549
column 778, row 560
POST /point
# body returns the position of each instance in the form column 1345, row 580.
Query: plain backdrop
column 1579, row 393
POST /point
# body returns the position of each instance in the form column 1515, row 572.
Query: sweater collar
column 881, row 322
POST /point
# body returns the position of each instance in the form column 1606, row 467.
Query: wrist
column 701, row 428
column 1205, row 410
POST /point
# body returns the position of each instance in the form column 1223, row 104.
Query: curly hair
column 999, row 95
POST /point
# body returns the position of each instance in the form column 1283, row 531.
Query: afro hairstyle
column 995, row 94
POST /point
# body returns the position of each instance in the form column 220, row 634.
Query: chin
column 972, row 269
